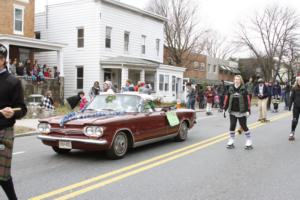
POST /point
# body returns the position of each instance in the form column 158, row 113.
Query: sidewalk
column 29, row 123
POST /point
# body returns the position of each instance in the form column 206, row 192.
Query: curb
column 27, row 134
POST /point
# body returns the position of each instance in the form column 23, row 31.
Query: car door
column 151, row 125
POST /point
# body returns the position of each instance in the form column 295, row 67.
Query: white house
column 108, row 40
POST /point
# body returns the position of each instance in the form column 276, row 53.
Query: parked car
column 115, row 123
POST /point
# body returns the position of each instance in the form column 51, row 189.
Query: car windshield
column 118, row 102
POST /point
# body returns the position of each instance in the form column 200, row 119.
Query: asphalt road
column 198, row 169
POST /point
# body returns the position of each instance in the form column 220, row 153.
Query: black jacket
column 11, row 95
column 295, row 97
column 266, row 92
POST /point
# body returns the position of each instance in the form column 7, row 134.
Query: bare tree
column 217, row 46
column 182, row 33
column 292, row 56
column 267, row 36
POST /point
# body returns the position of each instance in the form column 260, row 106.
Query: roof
column 172, row 68
column 122, row 60
column 135, row 9
column 31, row 42
column 231, row 69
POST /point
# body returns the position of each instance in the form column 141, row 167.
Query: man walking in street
column 12, row 107
column 221, row 92
column 191, row 96
column 262, row 92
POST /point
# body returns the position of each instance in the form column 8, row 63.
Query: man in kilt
column 12, row 107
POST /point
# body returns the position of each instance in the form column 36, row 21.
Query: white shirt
column 261, row 90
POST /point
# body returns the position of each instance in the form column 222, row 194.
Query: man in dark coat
column 262, row 92
column 12, row 107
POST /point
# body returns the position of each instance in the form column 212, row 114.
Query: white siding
column 63, row 21
column 94, row 16
column 122, row 20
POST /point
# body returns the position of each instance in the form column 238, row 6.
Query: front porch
column 119, row 69
column 23, row 49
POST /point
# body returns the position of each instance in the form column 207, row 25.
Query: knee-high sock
column 232, row 134
column 248, row 135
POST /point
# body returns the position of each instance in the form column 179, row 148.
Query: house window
column 126, row 41
column 80, row 38
column 37, row 35
column 157, row 46
column 166, row 83
column 196, row 65
column 202, row 66
column 79, row 76
column 215, row 68
column 173, row 83
column 108, row 37
column 143, row 44
column 19, row 20
column 161, row 82
column 208, row 67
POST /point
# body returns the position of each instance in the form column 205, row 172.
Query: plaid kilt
column 6, row 138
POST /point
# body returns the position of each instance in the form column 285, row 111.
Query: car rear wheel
column 182, row 132
column 61, row 151
column 119, row 147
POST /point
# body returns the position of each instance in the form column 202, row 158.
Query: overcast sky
column 220, row 15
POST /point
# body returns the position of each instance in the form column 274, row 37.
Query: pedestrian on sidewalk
column 191, row 96
column 276, row 95
column 250, row 88
column 270, row 87
column 295, row 103
column 262, row 92
column 12, row 107
column 210, row 95
column 287, row 93
column 95, row 90
column 237, row 102
column 200, row 97
column 221, row 90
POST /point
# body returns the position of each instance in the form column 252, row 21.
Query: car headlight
column 44, row 128
column 93, row 131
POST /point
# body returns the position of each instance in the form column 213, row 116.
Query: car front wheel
column 182, row 132
column 119, row 147
column 61, row 151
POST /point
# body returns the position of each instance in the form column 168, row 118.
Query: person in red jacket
column 210, row 95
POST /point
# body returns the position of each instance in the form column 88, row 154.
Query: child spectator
column 209, row 94
column 83, row 101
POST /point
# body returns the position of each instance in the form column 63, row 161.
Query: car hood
column 82, row 122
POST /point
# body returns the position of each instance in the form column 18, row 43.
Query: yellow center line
column 130, row 167
column 153, row 165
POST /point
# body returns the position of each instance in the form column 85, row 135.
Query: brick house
column 17, row 24
column 201, row 68
column 17, row 32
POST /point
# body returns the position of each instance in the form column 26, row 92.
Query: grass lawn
column 21, row 129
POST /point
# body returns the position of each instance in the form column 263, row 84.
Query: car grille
column 67, row 131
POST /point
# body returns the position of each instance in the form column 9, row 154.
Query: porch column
column 101, row 79
column 142, row 75
column 60, row 62
column 6, row 44
column 124, row 75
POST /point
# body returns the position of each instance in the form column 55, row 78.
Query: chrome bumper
column 86, row 141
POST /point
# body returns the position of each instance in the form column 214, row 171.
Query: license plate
column 65, row 144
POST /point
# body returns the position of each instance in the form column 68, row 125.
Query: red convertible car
column 115, row 123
